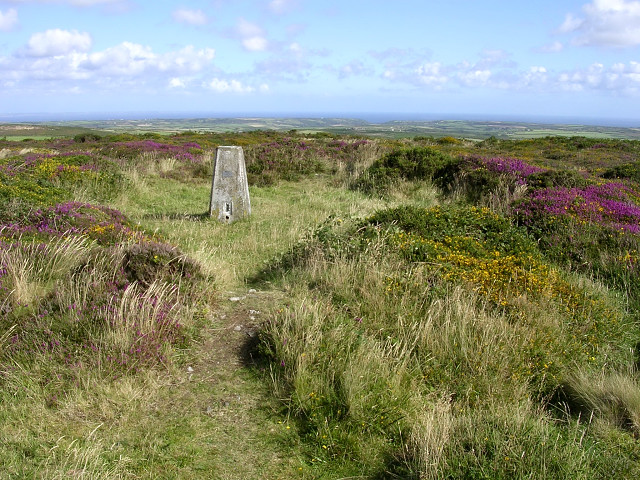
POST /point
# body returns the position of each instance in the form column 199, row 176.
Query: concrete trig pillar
column 229, row 188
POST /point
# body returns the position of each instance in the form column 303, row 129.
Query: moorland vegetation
column 431, row 308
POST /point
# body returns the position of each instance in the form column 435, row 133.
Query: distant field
column 39, row 131
column 396, row 129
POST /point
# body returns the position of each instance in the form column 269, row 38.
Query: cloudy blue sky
column 454, row 58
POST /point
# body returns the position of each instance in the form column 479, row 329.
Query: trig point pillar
column 229, row 189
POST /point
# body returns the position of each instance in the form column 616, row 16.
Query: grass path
column 214, row 417
column 215, row 414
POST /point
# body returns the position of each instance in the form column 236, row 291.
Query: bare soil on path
column 235, row 421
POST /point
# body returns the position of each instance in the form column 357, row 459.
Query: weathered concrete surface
column 229, row 188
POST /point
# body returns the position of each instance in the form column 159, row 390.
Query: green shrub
column 420, row 163
column 449, row 141
column 87, row 137
column 557, row 178
column 627, row 170
column 492, row 232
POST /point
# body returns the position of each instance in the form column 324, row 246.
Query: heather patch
column 505, row 165
column 183, row 161
column 592, row 230
column 187, row 151
column 90, row 310
column 103, row 224
column 611, row 205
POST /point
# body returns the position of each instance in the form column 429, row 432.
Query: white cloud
column 225, row 86
column 284, row 68
column 128, row 64
column 8, row 20
column 186, row 60
column 620, row 78
column 255, row 44
column 176, row 82
column 615, row 79
column 252, row 36
column 90, row 3
column 77, row 3
column 435, row 75
column 475, row 78
column 389, row 74
column 248, row 29
column 58, row 42
column 536, row 77
column 131, row 59
column 493, row 58
column 126, row 59
column 190, row 17
column 570, row 24
column 355, row 67
column 109, row 5
column 431, row 74
column 608, row 23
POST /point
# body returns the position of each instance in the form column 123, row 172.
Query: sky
column 404, row 58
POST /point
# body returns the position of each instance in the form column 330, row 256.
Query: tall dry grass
column 30, row 269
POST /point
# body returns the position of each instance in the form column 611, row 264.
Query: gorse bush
column 488, row 231
column 557, row 178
